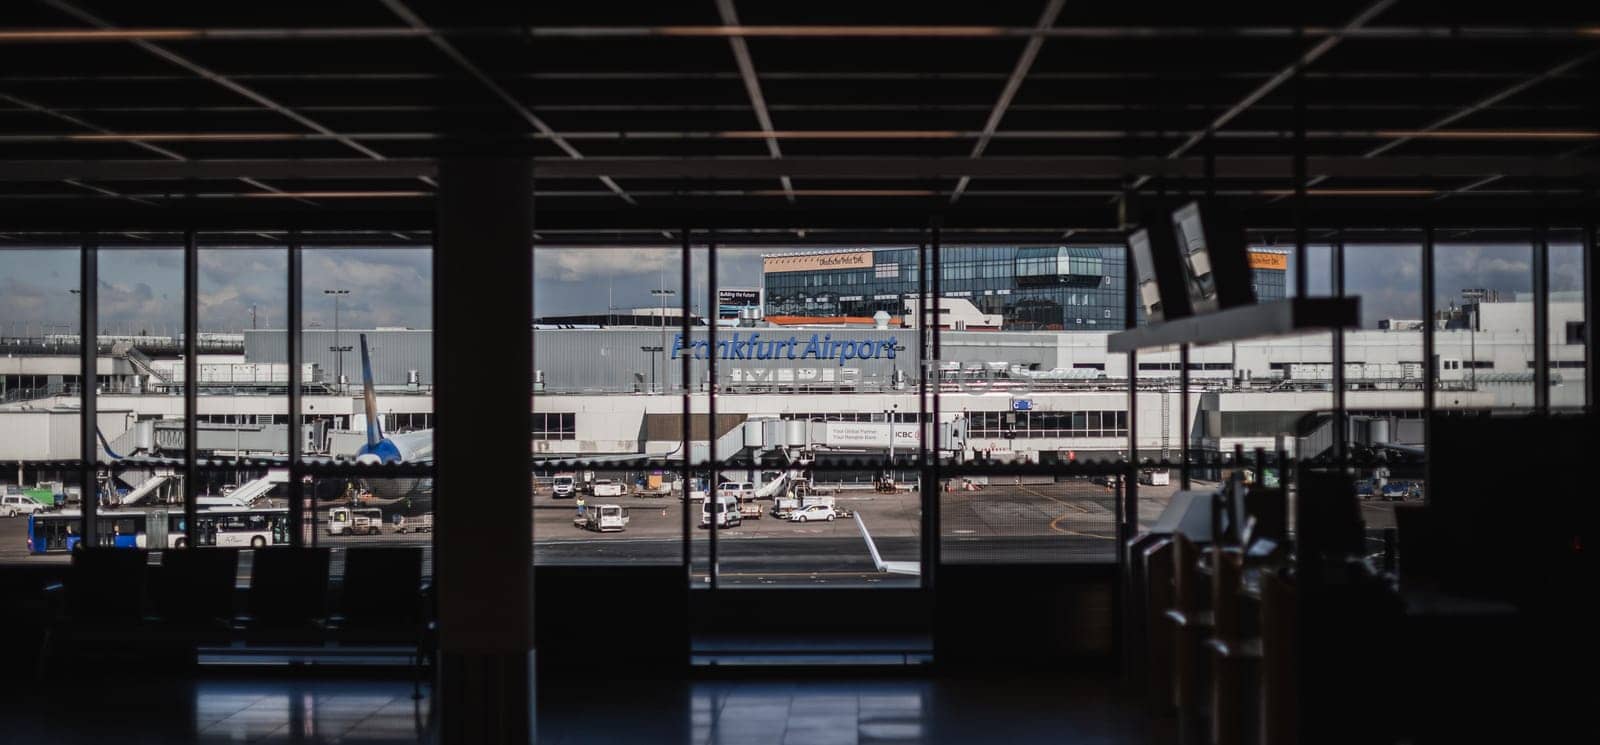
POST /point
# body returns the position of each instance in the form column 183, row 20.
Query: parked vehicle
column 738, row 489
column 608, row 488
column 726, row 511
column 822, row 499
column 1366, row 489
column 347, row 521
column 1155, row 476
column 782, row 506
column 1396, row 490
column 12, row 505
column 811, row 513
column 564, row 486
column 697, row 489
column 603, row 518
column 414, row 524
column 750, row 510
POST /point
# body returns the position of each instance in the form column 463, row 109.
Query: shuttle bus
column 58, row 532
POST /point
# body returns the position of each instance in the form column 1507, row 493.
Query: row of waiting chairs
column 1221, row 650
column 115, row 599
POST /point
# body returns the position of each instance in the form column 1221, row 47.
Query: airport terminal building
column 1033, row 288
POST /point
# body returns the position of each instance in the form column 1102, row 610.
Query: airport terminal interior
column 722, row 371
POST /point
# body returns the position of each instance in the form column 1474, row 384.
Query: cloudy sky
column 140, row 289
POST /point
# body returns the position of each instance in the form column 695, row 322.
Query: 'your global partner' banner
column 817, row 347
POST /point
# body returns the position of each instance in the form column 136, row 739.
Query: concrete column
column 483, row 551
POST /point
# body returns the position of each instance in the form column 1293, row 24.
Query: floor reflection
column 275, row 708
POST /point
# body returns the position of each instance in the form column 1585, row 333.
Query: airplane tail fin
column 374, row 432
column 104, row 445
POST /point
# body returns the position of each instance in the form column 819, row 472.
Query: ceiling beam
column 1482, row 104
column 76, row 121
column 215, row 77
column 752, row 87
column 1284, row 75
column 911, row 168
column 36, row 36
column 1019, row 72
column 449, row 50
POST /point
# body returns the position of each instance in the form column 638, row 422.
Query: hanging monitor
column 1160, row 273
column 1213, row 247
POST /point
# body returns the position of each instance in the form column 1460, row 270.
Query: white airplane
column 404, row 447
column 913, row 568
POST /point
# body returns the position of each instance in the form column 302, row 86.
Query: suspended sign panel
column 1266, row 260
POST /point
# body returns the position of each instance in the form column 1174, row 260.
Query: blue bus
column 58, row 532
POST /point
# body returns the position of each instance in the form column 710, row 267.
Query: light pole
column 663, row 293
column 652, row 349
column 337, row 347
column 890, row 415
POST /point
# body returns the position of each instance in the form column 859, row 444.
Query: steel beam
column 752, row 87
column 1055, row 168
column 1030, row 52
column 449, row 50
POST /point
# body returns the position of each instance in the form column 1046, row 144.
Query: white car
column 13, row 505
column 608, row 488
column 812, row 512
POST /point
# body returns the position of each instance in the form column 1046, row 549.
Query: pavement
column 1001, row 522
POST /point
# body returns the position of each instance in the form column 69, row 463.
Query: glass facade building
column 1045, row 288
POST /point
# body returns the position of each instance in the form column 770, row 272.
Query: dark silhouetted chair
column 195, row 594
column 1279, row 686
column 288, row 598
column 385, row 601
column 1234, row 657
column 1192, row 623
column 1159, row 629
column 101, row 604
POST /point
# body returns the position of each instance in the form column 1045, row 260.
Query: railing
column 53, row 346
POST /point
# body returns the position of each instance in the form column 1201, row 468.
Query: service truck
column 608, row 488
column 1155, row 476
column 414, row 523
column 348, row 521
column 564, row 486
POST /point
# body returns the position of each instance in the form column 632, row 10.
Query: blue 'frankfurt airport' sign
column 818, row 347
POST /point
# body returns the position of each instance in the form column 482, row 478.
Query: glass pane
column 1485, row 343
column 140, row 317
column 607, row 387
column 1020, row 519
column 365, row 308
column 354, row 512
column 243, row 383
column 1567, row 334
column 39, row 405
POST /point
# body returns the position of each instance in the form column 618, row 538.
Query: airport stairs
column 250, row 491
column 775, row 487
column 148, row 487
column 140, row 361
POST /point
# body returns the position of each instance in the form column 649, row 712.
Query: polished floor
column 747, row 711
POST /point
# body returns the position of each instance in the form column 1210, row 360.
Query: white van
column 604, row 518
column 12, row 505
column 562, row 487
column 726, row 508
column 737, row 489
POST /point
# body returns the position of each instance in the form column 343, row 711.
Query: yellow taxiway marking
column 1078, row 508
